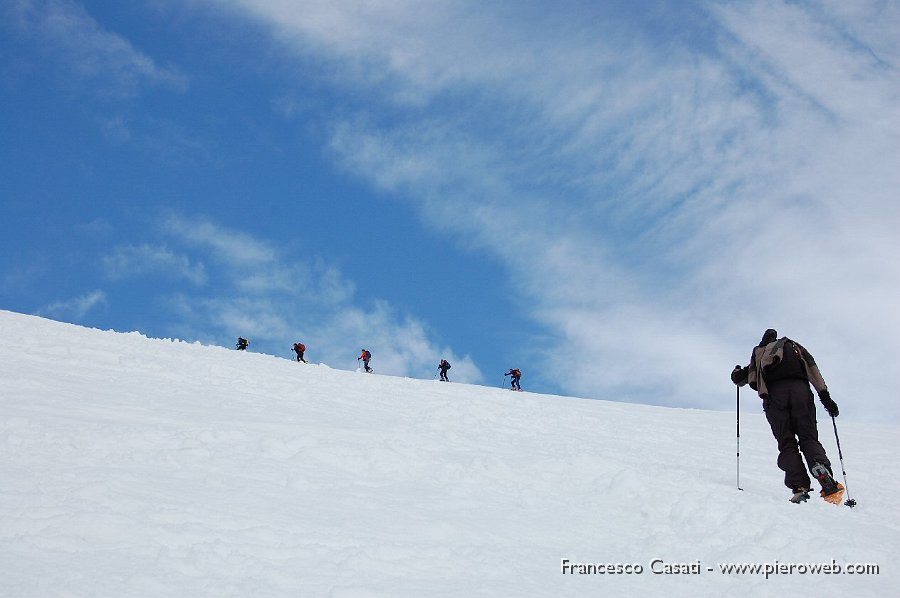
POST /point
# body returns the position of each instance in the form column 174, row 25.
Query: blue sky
column 616, row 197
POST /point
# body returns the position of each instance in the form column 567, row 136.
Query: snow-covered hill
column 145, row 467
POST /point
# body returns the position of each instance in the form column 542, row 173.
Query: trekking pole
column 849, row 502
column 738, row 411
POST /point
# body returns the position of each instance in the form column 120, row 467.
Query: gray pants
column 791, row 411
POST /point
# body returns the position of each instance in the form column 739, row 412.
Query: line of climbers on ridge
column 781, row 371
column 365, row 355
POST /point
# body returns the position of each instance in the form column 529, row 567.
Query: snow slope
column 146, row 467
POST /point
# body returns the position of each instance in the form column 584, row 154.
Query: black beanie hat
column 768, row 336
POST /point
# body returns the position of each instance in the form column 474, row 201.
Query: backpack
column 790, row 367
column 300, row 346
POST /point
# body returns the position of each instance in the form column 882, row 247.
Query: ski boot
column 832, row 491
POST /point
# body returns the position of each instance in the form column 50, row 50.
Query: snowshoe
column 832, row 491
column 800, row 495
column 836, row 496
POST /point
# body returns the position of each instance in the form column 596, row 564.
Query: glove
column 739, row 375
column 830, row 406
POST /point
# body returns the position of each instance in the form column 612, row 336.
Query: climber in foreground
column 781, row 371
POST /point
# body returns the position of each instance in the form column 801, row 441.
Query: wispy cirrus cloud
column 136, row 260
column 85, row 49
column 659, row 194
column 76, row 308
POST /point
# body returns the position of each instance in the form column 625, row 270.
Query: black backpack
column 790, row 367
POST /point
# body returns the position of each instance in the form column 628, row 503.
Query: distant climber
column 365, row 356
column 242, row 344
column 514, row 381
column 443, row 367
column 300, row 349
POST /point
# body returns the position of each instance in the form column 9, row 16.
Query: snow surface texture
column 146, row 467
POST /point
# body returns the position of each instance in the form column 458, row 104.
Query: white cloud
column 398, row 345
column 74, row 309
column 266, row 295
column 659, row 205
column 230, row 246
